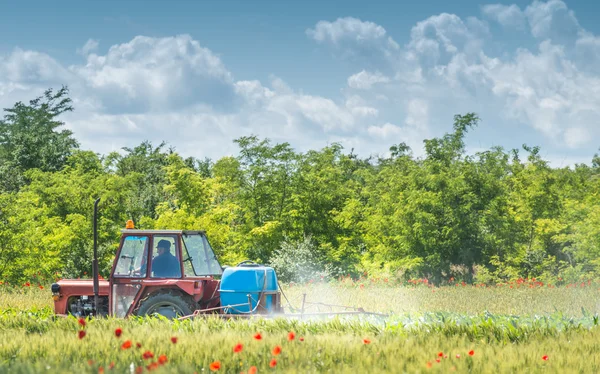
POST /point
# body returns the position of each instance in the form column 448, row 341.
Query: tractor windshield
column 199, row 257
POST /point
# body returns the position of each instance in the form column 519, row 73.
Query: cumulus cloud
column 365, row 80
column 552, row 89
column 509, row 16
column 90, row 46
column 177, row 90
column 357, row 40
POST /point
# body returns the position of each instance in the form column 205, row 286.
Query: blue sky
column 198, row 74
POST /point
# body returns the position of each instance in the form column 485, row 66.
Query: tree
column 30, row 138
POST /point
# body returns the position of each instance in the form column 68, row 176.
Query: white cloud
column 90, row 46
column 552, row 19
column 553, row 90
column 385, row 131
column 507, row 15
column 365, row 80
column 175, row 89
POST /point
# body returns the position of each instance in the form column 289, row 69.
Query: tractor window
column 132, row 259
column 165, row 258
column 199, row 254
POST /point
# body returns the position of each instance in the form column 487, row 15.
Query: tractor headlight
column 55, row 291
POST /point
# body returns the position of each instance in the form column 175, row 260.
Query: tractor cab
column 166, row 272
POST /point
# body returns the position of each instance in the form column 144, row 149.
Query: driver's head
column 163, row 246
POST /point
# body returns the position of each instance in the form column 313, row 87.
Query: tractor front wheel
column 166, row 304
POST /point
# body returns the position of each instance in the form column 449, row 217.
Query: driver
column 165, row 264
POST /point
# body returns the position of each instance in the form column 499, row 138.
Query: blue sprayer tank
column 248, row 279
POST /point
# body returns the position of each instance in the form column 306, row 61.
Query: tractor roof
column 184, row 232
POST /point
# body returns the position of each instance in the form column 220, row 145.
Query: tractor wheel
column 166, row 304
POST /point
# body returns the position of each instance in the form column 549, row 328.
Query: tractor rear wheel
column 168, row 305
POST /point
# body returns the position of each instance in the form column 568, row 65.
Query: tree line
column 486, row 217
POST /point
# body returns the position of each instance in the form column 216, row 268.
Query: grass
column 509, row 331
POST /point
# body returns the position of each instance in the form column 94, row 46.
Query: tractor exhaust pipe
column 95, row 261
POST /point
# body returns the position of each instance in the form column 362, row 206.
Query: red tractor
column 173, row 273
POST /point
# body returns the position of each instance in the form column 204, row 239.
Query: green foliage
column 30, row 139
column 488, row 217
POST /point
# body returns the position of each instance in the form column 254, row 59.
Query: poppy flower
column 90, row 362
column 429, row 365
column 118, row 332
column 257, row 336
column 471, row 352
column 276, row 350
column 438, row 360
column 366, row 341
column 81, row 322
column 152, row 366
column 545, row 357
column 147, row 355
column 291, row 336
column 126, row 344
column 27, row 284
column 139, row 370
column 441, row 354
column 138, row 345
column 238, row 348
column 162, row 359
column 100, row 370
column 214, row 366
column 81, row 334
column 111, row 366
column 273, row 363
column 41, row 287
column 174, row 339
column 301, row 339
column 252, row 370
column 457, row 356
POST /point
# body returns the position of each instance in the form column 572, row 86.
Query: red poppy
column 100, row 370
column 301, row 339
column 81, row 322
column 214, row 366
column 174, row 339
column 471, row 352
column 429, row 365
column 27, row 284
column 257, row 336
column 545, row 357
column 118, row 332
column 152, row 366
column 291, row 336
column 41, row 287
column 440, row 354
column 366, row 341
column 138, row 345
column 147, row 355
column 81, row 334
column 457, row 356
column 126, row 344
column 276, row 350
column 238, row 348
column 252, row 370
column 139, row 369
column 111, row 366
column 273, row 363
column 437, row 360
column 162, row 359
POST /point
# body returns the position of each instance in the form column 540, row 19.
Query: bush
column 300, row 261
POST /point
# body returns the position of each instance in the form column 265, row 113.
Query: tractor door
column 130, row 268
